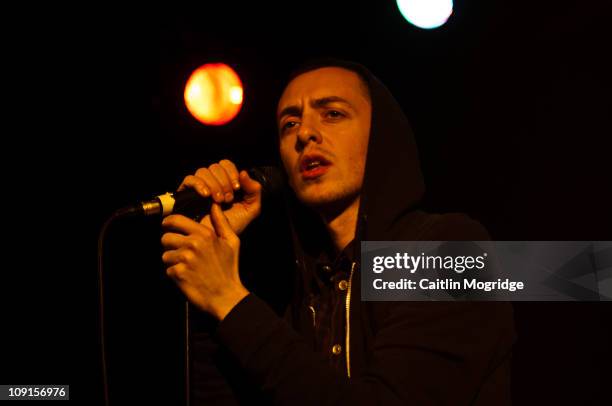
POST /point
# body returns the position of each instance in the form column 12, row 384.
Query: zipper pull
column 314, row 315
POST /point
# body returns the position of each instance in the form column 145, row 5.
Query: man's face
column 324, row 119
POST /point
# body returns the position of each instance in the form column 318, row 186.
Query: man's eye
column 334, row 114
column 289, row 124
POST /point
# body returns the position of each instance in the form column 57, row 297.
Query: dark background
column 507, row 100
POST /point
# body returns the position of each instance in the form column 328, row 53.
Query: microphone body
column 191, row 204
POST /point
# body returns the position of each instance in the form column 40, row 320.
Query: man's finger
column 212, row 183
column 177, row 271
column 220, row 223
column 195, row 183
column 171, row 257
column 232, row 172
column 224, row 180
column 173, row 241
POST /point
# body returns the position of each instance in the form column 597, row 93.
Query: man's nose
column 308, row 132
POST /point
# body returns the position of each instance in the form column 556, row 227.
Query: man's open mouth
column 313, row 166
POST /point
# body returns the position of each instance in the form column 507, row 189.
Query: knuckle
column 176, row 271
column 187, row 256
column 201, row 172
column 206, row 233
column 195, row 244
column 228, row 165
column 194, row 180
column 209, row 235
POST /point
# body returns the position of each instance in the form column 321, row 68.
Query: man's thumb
column 249, row 185
column 220, row 223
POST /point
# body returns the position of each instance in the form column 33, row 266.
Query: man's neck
column 342, row 226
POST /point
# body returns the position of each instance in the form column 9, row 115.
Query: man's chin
column 325, row 200
column 318, row 200
column 316, row 193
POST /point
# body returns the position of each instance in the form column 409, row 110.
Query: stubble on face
column 343, row 139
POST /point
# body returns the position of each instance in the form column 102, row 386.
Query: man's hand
column 203, row 261
column 219, row 182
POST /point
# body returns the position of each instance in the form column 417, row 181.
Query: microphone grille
column 272, row 179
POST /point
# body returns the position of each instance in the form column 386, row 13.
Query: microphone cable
column 189, row 202
column 125, row 212
column 101, row 237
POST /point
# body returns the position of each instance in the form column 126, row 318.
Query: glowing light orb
column 426, row 14
column 213, row 94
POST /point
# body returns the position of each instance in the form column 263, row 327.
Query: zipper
column 347, row 341
column 314, row 315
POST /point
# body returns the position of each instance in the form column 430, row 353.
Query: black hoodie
column 421, row 353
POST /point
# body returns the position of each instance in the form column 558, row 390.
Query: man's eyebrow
column 290, row 111
column 324, row 101
column 317, row 103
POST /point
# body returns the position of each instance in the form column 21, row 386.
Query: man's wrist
column 228, row 302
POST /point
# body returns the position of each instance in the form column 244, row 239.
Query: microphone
column 190, row 203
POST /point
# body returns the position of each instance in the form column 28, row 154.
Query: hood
column 393, row 184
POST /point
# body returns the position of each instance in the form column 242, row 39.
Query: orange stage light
column 213, row 94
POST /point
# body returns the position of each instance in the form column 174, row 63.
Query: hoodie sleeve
column 424, row 353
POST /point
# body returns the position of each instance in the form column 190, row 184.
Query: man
column 352, row 164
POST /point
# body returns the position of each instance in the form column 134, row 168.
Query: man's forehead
column 322, row 82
